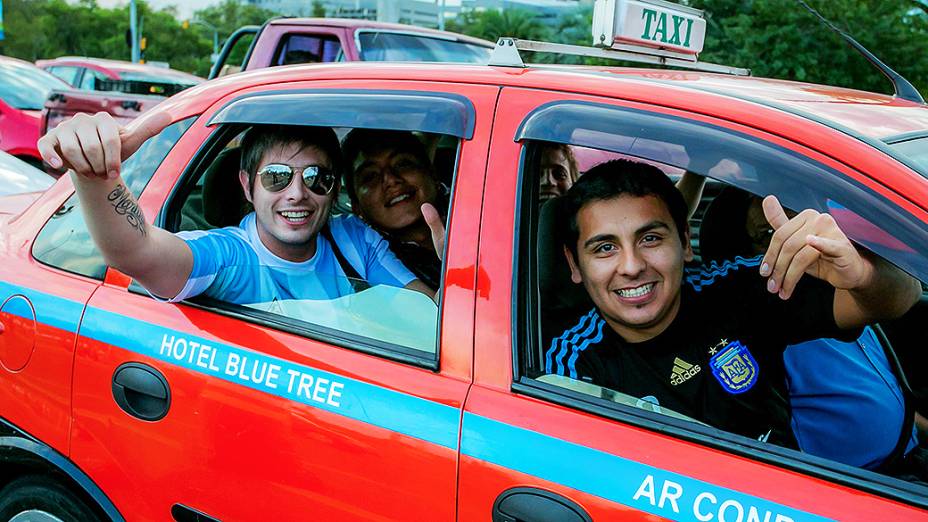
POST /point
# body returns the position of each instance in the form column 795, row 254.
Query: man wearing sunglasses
column 288, row 248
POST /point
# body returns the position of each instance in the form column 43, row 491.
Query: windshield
column 23, row 86
column 916, row 149
column 377, row 46
column 134, row 76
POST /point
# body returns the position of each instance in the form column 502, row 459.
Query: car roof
column 114, row 67
column 354, row 24
column 867, row 114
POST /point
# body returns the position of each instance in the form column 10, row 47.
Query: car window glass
column 307, row 48
column 379, row 46
column 89, row 80
column 64, row 242
column 917, row 149
column 24, row 86
column 563, row 321
column 67, row 73
column 374, row 312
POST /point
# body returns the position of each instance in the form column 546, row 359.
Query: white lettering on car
column 252, row 369
column 705, row 506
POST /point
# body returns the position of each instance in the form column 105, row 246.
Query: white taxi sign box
column 653, row 24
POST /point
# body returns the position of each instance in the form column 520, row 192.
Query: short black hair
column 615, row 178
column 366, row 140
column 261, row 138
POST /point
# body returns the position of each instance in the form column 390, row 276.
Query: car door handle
column 141, row 391
column 536, row 505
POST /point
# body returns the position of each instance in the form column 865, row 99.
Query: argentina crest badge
column 735, row 368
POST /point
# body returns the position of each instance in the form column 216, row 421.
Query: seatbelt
column 908, row 397
column 358, row 283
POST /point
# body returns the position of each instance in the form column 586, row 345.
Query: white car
column 19, row 177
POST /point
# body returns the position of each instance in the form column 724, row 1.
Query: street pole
column 134, row 31
column 441, row 15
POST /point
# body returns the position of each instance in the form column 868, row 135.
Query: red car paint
column 234, row 453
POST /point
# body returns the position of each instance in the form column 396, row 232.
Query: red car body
column 405, row 442
column 81, row 69
column 21, row 120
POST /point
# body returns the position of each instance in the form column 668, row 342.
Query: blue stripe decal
column 700, row 277
column 639, row 486
column 388, row 409
column 51, row 310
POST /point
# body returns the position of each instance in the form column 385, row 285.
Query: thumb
column 133, row 135
column 774, row 213
column 436, row 226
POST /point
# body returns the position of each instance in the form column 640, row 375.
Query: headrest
column 224, row 204
column 558, row 292
column 723, row 234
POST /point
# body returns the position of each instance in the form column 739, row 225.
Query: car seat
column 224, row 204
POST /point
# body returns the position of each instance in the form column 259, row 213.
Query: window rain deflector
column 439, row 113
column 799, row 182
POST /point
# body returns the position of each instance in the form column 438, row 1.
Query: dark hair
column 569, row 154
column 367, row 140
column 615, row 178
column 262, row 138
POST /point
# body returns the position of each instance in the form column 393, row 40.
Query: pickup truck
column 285, row 41
column 123, row 89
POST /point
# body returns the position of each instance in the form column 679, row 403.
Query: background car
column 97, row 74
column 24, row 89
column 19, row 177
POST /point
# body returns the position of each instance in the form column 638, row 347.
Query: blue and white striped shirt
column 232, row 264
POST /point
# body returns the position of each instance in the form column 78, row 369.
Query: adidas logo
column 682, row 371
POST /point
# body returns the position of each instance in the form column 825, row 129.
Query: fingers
column 805, row 258
column 436, row 226
column 70, row 148
column 108, row 134
column 47, row 145
column 89, row 139
column 134, row 135
column 783, row 232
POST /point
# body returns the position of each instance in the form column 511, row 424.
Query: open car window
column 748, row 166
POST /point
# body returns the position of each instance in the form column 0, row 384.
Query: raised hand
column 94, row 146
column 809, row 243
column 436, row 226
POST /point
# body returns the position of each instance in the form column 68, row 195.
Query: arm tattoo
column 125, row 205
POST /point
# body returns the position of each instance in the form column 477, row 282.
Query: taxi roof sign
column 652, row 24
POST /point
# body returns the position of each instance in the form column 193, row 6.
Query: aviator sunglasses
column 277, row 176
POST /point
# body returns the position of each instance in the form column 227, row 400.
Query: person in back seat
column 288, row 248
column 393, row 186
column 847, row 404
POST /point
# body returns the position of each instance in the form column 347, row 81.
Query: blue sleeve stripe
column 572, row 362
column 707, row 275
column 585, row 324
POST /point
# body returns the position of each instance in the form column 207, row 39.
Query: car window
column 68, row 73
column 64, row 242
column 90, row 78
column 308, row 48
column 24, row 86
column 352, row 291
column 916, row 148
column 381, row 46
column 560, row 323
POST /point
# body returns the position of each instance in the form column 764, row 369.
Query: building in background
column 424, row 13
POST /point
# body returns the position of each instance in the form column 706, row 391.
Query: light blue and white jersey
column 233, row 265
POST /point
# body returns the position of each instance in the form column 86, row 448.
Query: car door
column 532, row 445
column 245, row 415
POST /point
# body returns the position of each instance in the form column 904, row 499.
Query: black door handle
column 141, row 391
column 536, row 505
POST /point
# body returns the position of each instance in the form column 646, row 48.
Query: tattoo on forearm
column 125, row 205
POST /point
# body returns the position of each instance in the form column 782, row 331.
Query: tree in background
column 38, row 29
column 492, row 24
column 318, row 9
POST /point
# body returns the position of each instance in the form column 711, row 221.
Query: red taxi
column 116, row 407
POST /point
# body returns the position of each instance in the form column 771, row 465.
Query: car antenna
column 903, row 88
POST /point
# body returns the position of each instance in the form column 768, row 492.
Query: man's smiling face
column 630, row 260
column 391, row 185
column 288, row 220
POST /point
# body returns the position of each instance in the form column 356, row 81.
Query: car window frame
column 526, row 337
column 169, row 218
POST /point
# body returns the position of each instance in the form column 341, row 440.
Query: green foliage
column 492, row 24
column 37, row 29
column 318, row 9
